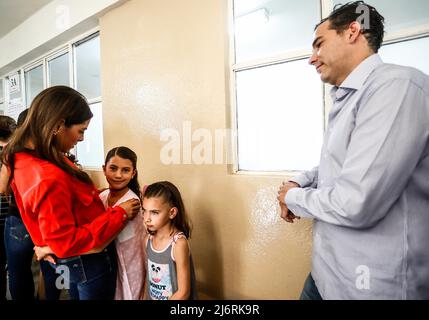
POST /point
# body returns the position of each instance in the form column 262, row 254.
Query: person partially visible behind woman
column 7, row 127
column 58, row 202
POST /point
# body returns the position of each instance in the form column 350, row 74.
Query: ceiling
column 14, row 12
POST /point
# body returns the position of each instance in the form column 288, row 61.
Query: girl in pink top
column 120, row 169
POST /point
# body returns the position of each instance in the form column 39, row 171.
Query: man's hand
column 286, row 214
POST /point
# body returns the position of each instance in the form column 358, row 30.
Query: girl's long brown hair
column 171, row 195
column 48, row 109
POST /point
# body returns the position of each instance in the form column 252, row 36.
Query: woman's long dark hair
column 126, row 153
column 48, row 109
column 171, row 195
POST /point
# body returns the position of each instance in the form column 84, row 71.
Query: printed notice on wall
column 14, row 83
column 14, row 108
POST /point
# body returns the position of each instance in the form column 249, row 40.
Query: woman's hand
column 131, row 207
column 44, row 253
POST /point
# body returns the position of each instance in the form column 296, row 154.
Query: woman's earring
column 57, row 131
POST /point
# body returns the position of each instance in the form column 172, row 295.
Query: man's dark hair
column 344, row 15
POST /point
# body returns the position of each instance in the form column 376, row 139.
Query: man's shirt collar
column 357, row 77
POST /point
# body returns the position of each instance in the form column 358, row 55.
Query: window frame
column 67, row 47
column 325, row 8
column 61, row 51
column 3, row 91
column 27, row 69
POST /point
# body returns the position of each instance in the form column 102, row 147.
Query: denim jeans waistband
column 83, row 257
column 86, row 267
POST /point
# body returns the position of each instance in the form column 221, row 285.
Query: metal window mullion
column 57, row 53
column 23, row 87
column 73, row 82
column 326, row 7
column 94, row 100
column 2, row 81
column 45, row 74
column 233, row 148
column 264, row 62
column 72, row 78
column 6, row 92
column 405, row 37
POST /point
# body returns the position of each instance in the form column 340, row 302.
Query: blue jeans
column 19, row 253
column 2, row 264
column 89, row 277
column 310, row 291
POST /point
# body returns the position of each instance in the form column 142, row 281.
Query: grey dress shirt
column 369, row 196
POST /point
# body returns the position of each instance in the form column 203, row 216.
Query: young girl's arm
column 181, row 254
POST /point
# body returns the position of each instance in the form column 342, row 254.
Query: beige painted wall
column 165, row 62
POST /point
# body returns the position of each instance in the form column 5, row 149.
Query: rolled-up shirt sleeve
column 390, row 136
column 307, row 178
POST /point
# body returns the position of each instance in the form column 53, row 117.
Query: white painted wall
column 55, row 23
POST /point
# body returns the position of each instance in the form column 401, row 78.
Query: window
column 279, row 102
column 88, row 82
column 411, row 53
column 270, row 28
column 33, row 83
column 279, row 111
column 58, row 70
column 90, row 151
column 400, row 15
column 87, row 66
column 274, row 106
column 76, row 64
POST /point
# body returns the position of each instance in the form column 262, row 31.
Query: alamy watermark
column 200, row 146
column 363, row 19
column 63, row 280
column 363, row 279
column 62, row 21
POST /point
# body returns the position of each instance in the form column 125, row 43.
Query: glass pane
column 90, row 152
column 411, row 53
column 2, row 108
column 33, row 83
column 280, row 117
column 1, row 90
column 400, row 14
column 88, row 68
column 265, row 28
column 59, row 70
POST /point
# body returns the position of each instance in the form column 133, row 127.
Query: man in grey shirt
column 369, row 196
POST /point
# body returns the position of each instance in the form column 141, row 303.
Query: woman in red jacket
column 58, row 202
